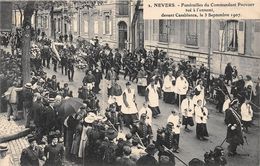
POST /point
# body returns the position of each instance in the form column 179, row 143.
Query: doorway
column 122, row 34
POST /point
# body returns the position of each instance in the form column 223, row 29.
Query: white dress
column 131, row 109
column 153, row 96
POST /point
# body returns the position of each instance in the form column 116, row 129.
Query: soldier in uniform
column 144, row 130
column 30, row 156
column 234, row 128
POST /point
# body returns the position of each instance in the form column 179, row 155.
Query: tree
column 26, row 41
column 29, row 7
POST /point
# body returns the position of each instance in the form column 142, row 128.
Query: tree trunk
column 26, row 42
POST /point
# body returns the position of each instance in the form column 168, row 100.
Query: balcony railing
column 192, row 40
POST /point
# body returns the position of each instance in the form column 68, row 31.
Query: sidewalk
column 15, row 146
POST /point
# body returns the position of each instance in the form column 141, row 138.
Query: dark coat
column 146, row 160
column 37, row 111
column 56, row 154
column 30, row 157
column 236, row 135
column 228, row 72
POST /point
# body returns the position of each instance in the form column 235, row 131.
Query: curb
column 18, row 135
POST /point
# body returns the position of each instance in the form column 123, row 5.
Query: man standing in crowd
column 247, row 114
column 187, row 109
column 234, row 128
column 201, row 116
column 30, row 156
column 129, row 108
column 54, row 152
column 12, row 99
column 27, row 103
column 143, row 130
column 228, row 73
column 181, row 87
column 168, row 88
column 152, row 97
column 148, row 159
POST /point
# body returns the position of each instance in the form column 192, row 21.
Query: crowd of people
column 99, row 137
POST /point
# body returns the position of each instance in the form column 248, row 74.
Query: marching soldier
column 187, row 109
column 169, row 138
column 143, row 130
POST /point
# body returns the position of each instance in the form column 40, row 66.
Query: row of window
column 231, row 33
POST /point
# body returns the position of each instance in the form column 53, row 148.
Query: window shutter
column 221, row 36
column 104, row 27
column 110, row 27
column 96, row 27
column 85, row 26
column 241, row 37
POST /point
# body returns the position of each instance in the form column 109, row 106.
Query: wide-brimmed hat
column 90, row 118
column 111, row 134
column 151, row 149
column 51, row 100
column 28, row 85
column 3, row 147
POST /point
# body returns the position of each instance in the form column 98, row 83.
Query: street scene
column 93, row 83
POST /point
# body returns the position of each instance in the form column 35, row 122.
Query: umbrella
column 69, row 106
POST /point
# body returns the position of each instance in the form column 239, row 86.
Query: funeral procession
column 91, row 82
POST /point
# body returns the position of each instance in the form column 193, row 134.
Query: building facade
column 213, row 43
